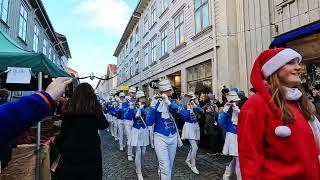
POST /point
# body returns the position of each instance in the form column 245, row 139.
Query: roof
column 112, row 68
column 142, row 4
column 63, row 40
column 44, row 19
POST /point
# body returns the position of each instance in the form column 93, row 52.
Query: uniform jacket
column 224, row 120
column 189, row 117
column 137, row 121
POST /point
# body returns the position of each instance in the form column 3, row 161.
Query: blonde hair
column 278, row 94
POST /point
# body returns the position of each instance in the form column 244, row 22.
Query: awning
column 302, row 32
column 12, row 55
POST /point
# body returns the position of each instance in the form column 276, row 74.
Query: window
column 145, row 57
column 44, row 49
column 137, row 37
column 146, row 25
column 153, row 14
column 153, row 50
column 131, row 43
column 132, row 69
column 23, row 23
column 164, row 41
column 35, row 38
column 199, row 76
column 201, row 15
column 50, row 54
column 4, row 10
column 164, row 5
column 54, row 58
column 137, row 63
column 179, row 29
column 127, row 50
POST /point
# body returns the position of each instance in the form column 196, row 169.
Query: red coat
column 265, row 156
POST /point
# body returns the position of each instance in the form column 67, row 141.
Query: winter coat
column 80, row 146
column 264, row 155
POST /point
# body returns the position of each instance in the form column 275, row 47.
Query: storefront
column 306, row 41
column 199, row 77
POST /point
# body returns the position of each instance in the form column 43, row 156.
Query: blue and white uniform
column 121, row 109
column 165, row 135
column 191, row 131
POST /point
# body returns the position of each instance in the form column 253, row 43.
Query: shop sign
column 154, row 84
column 19, row 75
column 124, row 88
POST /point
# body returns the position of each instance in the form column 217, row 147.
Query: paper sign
column 19, row 75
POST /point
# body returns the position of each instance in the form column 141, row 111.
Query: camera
column 69, row 90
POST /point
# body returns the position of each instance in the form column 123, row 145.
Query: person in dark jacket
column 79, row 140
column 316, row 98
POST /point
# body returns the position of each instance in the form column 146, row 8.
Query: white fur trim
column 279, row 60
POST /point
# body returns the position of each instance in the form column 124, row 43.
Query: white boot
column 140, row 177
column 193, row 166
column 188, row 162
column 130, row 158
column 227, row 174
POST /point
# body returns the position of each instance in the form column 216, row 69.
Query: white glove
column 154, row 102
column 165, row 99
column 193, row 104
column 131, row 105
column 235, row 107
column 226, row 107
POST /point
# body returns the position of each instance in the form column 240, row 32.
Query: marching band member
column 115, row 119
column 120, row 111
column 139, row 136
column 229, row 120
column 128, row 121
column 165, row 130
column 111, row 110
column 191, row 129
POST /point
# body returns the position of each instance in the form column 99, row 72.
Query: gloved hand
column 193, row 104
column 235, row 107
column 226, row 107
column 154, row 102
column 131, row 105
column 165, row 99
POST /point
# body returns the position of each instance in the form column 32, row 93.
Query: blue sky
column 93, row 29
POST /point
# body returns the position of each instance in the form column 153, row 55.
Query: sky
column 93, row 29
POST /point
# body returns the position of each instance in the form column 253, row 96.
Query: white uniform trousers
column 128, row 126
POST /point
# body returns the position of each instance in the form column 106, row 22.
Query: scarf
column 190, row 107
column 293, row 94
column 235, row 114
column 164, row 109
column 138, row 114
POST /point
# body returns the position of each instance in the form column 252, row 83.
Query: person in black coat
column 78, row 141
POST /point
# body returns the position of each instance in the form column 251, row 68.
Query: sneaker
column 130, row 158
column 140, row 177
column 188, row 162
column 195, row 170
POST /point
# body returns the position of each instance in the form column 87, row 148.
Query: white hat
column 132, row 90
column 165, row 85
column 232, row 96
column 113, row 99
column 191, row 94
column 122, row 94
column 140, row 94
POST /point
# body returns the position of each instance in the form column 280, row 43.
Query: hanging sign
column 124, row 88
column 18, row 75
column 154, row 84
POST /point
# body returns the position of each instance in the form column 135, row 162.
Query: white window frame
column 4, row 6
column 164, row 41
column 146, row 56
column 164, row 5
column 136, row 60
column 23, row 19
column 137, row 37
column 179, row 29
column 131, row 43
column 132, row 69
column 54, row 58
column 153, row 44
column 44, row 48
column 153, row 14
column 50, row 53
column 146, row 25
column 200, row 9
column 35, row 46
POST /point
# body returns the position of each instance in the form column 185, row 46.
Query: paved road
column 117, row 167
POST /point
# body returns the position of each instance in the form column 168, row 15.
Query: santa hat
column 165, row 85
column 267, row 63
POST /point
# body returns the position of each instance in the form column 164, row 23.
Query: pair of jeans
column 165, row 147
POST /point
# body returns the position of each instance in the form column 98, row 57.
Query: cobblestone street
column 117, row 167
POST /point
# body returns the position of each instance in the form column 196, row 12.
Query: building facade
column 28, row 24
column 213, row 42
column 107, row 87
column 167, row 39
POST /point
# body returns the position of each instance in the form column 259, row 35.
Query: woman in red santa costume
column 278, row 133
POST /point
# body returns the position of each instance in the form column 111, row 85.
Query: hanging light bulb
column 92, row 77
